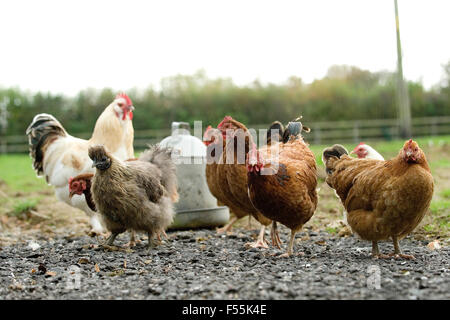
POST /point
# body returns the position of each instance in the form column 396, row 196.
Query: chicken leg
column 397, row 252
column 132, row 242
column 260, row 242
column 290, row 248
column 228, row 226
column 376, row 252
column 276, row 241
column 151, row 244
column 111, row 238
column 158, row 235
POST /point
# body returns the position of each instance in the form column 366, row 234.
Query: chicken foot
column 397, row 252
column 290, row 248
column 151, row 244
column 276, row 241
column 260, row 242
column 376, row 251
column 158, row 235
column 133, row 241
column 228, row 226
column 111, row 238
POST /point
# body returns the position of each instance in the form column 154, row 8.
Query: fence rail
column 321, row 132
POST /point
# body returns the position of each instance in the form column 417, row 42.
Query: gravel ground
column 204, row 265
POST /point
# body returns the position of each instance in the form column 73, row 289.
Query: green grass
column 438, row 206
column 440, row 163
column 16, row 170
column 440, row 215
column 331, row 230
column 445, row 194
column 25, row 205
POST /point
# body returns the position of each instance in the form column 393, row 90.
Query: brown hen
column 282, row 181
column 384, row 199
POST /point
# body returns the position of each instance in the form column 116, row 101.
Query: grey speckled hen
column 134, row 195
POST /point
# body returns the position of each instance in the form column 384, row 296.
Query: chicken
column 81, row 184
column 227, row 177
column 215, row 177
column 364, row 151
column 384, row 199
column 134, row 195
column 58, row 156
column 282, row 181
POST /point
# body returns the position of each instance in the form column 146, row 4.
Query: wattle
column 125, row 114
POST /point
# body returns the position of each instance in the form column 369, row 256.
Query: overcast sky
column 65, row 46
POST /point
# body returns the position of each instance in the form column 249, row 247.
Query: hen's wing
column 351, row 177
column 147, row 177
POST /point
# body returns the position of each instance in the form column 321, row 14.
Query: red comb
column 227, row 118
column 124, row 96
column 360, row 144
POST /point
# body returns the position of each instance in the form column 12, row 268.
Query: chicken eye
column 121, row 104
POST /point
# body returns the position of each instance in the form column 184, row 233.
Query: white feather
column 372, row 153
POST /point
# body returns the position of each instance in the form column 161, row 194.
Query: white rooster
column 58, row 156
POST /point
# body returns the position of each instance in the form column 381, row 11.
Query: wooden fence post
column 356, row 138
column 317, row 139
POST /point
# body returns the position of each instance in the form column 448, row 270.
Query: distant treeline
column 345, row 93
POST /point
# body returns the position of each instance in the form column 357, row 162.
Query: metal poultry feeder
column 196, row 207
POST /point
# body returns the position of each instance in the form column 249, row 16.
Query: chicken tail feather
column 43, row 129
column 277, row 134
column 336, row 151
column 161, row 157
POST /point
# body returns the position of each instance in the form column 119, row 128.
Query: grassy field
column 28, row 207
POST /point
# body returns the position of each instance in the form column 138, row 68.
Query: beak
column 71, row 193
column 130, row 108
column 353, row 152
column 408, row 153
column 94, row 164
